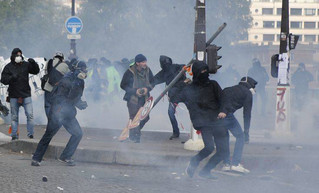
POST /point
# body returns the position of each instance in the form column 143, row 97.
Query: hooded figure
column 234, row 98
column 16, row 75
column 202, row 98
column 167, row 74
column 66, row 95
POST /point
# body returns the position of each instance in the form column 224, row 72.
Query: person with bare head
column 137, row 84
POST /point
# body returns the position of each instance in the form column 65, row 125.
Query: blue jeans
column 27, row 105
column 47, row 103
column 172, row 118
column 60, row 115
column 234, row 127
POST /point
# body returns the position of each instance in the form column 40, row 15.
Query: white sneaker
column 226, row 168
column 240, row 168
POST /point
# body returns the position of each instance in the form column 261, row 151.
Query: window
column 278, row 24
column 269, row 24
column 310, row 11
column 310, row 38
column 278, row 37
column 269, row 37
column 267, row 11
column 278, row 11
column 295, row 11
column 296, row 24
column 310, row 25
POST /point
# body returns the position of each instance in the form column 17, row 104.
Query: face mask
column 253, row 92
column 203, row 77
column 82, row 75
column 18, row 59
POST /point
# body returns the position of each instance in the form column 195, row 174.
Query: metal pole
column 73, row 44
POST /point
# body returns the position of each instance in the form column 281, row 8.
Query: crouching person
column 202, row 98
column 66, row 95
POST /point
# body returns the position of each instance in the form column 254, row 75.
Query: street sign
column 74, row 25
column 74, row 36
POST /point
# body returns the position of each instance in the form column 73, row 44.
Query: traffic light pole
column 282, row 124
column 73, row 43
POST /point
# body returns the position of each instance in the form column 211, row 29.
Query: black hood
column 197, row 68
column 165, row 62
column 248, row 82
column 14, row 53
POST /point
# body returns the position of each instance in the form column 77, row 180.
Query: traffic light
column 212, row 58
column 274, row 65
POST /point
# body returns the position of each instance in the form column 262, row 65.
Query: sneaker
column 68, row 162
column 226, row 168
column 190, row 170
column 35, row 163
column 240, row 168
column 30, row 136
column 207, row 175
column 174, row 136
column 14, row 138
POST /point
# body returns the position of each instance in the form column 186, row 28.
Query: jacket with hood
column 238, row 96
column 202, row 97
column 167, row 74
column 17, row 76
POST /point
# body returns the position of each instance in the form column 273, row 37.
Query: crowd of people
column 210, row 107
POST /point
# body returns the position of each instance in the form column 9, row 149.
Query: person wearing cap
column 300, row 79
column 65, row 98
column 259, row 73
column 56, row 68
column 16, row 75
column 234, row 98
column 137, row 83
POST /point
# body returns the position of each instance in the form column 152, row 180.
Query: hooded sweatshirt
column 202, row 97
column 167, row 74
column 238, row 96
column 17, row 76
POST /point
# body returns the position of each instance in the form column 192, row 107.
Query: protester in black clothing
column 234, row 98
column 66, row 95
column 16, row 75
column 167, row 74
column 137, row 83
column 300, row 79
column 202, row 98
column 259, row 73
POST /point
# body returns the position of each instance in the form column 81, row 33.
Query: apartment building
column 266, row 14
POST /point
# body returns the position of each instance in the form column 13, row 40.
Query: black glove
column 4, row 110
column 81, row 105
column 31, row 60
column 246, row 137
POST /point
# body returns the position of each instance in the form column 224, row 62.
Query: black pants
column 214, row 133
column 135, row 134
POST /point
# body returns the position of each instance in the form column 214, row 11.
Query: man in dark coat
column 203, row 98
column 234, row 98
column 137, row 84
column 66, row 95
column 167, row 74
column 16, row 75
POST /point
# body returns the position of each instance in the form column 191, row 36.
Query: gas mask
column 82, row 75
column 18, row 59
column 253, row 91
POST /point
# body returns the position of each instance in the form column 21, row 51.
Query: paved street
column 18, row 176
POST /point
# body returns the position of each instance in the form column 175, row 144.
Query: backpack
column 52, row 76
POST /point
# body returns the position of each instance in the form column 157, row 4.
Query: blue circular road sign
column 74, row 25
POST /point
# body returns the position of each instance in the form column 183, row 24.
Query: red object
column 10, row 130
column 198, row 132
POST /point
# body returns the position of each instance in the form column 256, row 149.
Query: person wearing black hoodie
column 234, row 98
column 16, row 75
column 167, row 74
column 202, row 99
column 66, row 95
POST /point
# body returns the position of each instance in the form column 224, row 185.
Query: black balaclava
column 198, row 76
column 165, row 62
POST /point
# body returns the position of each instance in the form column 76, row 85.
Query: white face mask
column 18, row 59
column 82, row 75
column 253, row 91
